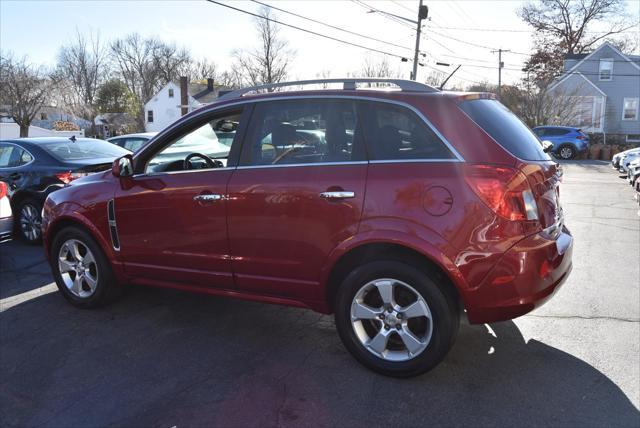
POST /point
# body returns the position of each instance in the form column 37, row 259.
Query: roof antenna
column 73, row 138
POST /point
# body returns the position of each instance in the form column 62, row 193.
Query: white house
column 164, row 107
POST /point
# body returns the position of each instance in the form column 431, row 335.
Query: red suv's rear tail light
column 505, row 190
column 68, row 176
column 3, row 189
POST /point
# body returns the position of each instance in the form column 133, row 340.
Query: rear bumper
column 6, row 227
column 524, row 279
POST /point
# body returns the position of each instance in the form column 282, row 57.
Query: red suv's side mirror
column 123, row 166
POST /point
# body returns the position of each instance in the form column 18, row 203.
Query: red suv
column 397, row 210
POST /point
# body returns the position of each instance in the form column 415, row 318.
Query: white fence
column 12, row 130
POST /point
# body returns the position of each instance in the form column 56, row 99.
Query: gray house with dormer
column 603, row 88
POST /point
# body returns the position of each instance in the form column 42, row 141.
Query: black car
column 35, row 167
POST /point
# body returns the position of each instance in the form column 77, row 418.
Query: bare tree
column 202, row 70
column 568, row 21
column 562, row 27
column 24, row 87
column 269, row 63
column 80, row 70
column 145, row 65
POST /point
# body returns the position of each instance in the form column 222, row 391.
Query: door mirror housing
column 123, row 166
column 547, row 146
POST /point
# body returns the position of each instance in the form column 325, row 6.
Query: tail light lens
column 581, row 137
column 505, row 190
column 68, row 176
column 3, row 189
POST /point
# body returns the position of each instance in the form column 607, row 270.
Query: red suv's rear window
column 505, row 127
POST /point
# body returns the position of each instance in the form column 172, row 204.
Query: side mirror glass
column 123, row 167
column 547, row 146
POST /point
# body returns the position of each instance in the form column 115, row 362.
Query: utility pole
column 500, row 65
column 423, row 12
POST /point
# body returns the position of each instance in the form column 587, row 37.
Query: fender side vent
column 113, row 229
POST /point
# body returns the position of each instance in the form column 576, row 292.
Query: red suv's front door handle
column 342, row 194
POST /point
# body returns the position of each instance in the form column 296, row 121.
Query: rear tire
column 566, row 152
column 29, row 220
column 81, row 270
column 403, row 332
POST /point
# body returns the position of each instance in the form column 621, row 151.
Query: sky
column 458, row 32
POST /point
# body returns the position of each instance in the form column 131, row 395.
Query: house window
column 171, row 93
column 630, row 109
column 606, row 69
column 633, row 138
column 43, row 116
column 150, row 116
column 588, row 112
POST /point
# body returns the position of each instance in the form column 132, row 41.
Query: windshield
column 83, row 149
column 506, row 128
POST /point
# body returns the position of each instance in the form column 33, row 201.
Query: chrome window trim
column 33, row 158
column 445, row 160
column 187, row 171
column 288, row 165
column 458, row 157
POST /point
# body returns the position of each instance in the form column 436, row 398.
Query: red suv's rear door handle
column 342, row 194
column 207, row 198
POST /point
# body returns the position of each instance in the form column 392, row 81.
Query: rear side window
column 395, row 133
column 505, row 127
column 12, row 156
column 554, row 132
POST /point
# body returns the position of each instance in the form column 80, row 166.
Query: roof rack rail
column 348, row 84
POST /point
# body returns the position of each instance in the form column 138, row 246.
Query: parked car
column 615, row 160
column 567, row 142
column 422, row 206
column 132, row 142
column 35, row 167
column 633, row 171
column 627, row 159
column 6, row 215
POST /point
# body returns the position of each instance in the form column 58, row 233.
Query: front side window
column 630, row 109
column 206, row 146
column 606, row 69
column 395, row 133
column 302, row 132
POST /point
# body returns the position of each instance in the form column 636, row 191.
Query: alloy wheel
column 566, row 152
column 78, row 268
column 391, row 319
column 30, row 222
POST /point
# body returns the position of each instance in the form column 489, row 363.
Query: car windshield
column 83, row 149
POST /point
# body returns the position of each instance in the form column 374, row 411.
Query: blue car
column 567, row 142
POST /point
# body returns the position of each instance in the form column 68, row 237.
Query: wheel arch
column 385, row 250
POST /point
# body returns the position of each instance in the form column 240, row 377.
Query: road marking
column 12, row 301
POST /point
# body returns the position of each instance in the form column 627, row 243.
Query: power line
column 403, row 6
column 383, row 13
column 309, row 31
column 332, row 26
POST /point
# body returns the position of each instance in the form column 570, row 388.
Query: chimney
column 184, row 96
column 210, row 84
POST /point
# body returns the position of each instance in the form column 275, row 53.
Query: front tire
column 81, row 270
column 394, row 319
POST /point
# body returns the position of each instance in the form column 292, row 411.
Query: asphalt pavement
column 163, row 358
